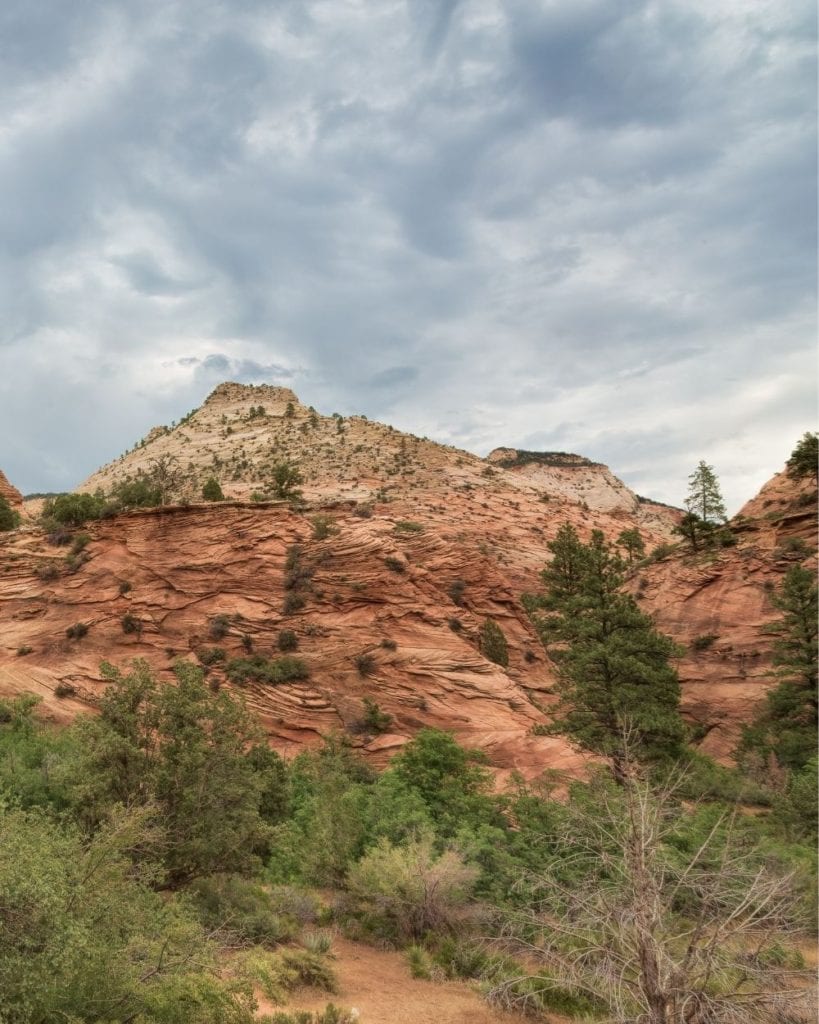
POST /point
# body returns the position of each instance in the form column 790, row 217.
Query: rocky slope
column 386, row 593
column 719, row 606
column 10, row 493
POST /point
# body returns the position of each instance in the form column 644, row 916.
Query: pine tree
column 632, row 541
column 786, row 726
column 704, row 498
column 804, row 460
column 614, row 676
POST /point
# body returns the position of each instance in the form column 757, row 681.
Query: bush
column 48, row 572
column 455, row 625
column 408, row 526
column 77, row 631
column 218, row 627
column 24, row 650
column 131, row 624
column 242, row 907
column 319, row 942
column 9, row 519
column 323, row 527
column 210, row 655
column 365, row 663
column 456, row 592
column 73, row 509
column 374, row 719
column 293, row 602
column 64, row 690
column 287, row 641
column 259, row 669
column 411, row 889
column 493, row 643
column 139, row 493
column 419, row 962
column 395, row 564
column 211, row 491
column 704, row 641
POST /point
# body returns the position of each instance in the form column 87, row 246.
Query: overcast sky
column 572, row 225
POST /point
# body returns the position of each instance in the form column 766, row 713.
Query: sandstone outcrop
column 401, row 550
column 10, row 493
column 719, row 606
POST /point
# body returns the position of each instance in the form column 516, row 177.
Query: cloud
column 583, row 225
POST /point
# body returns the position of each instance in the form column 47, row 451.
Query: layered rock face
column 719, row 606
column 10, row 493
column 417, row 545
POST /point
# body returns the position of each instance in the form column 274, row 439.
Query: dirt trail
column 378, row 984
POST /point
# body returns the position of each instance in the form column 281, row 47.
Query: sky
column 579, row 225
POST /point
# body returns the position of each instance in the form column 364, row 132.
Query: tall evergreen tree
column 786, row 726
column 614, row 675
column 704, row 497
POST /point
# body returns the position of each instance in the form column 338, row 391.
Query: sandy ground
column 379, row 985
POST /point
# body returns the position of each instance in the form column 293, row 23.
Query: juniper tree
column 613, row 666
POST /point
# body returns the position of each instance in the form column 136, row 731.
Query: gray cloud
column 588, row 226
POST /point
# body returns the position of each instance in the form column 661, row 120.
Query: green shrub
column 48, row 572
column 374, row 719
column 293, row 602
column 63, row 689
column 323, row 527
column 80, row 542
column 210, row 655
column 9, row 518
column 395, row 564
column 77, row 631
column 287, row 640
column 73, row 509
column 218, row 627
column 455, row 625
column 456, row 591
column 411, row 889
column 318, row 941
column 211, row 491
column 389, row 645
column 24, row 650
column 408, row 526
column 259, row 669
column 240, row 906
column 493, row 643
column 419, row 962
column 704, row 641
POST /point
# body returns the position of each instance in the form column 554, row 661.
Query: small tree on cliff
column 804, row 460
column 633, row 543
column 614, row 675
column 285, row 480
column 704, row 497
column 212, row 491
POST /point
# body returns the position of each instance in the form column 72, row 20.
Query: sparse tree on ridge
column 804, row 460
column 704, row 497
column 633, row 543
